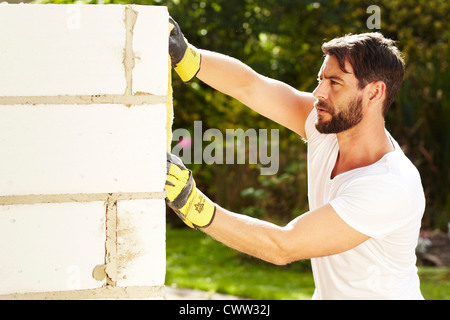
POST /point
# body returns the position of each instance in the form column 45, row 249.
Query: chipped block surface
column 141, row 242
column 51, row 247
column 57, row 149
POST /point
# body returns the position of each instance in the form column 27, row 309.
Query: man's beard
column 341, row 121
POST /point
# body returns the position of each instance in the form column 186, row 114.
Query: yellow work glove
column 185, row 57
column 189, row 203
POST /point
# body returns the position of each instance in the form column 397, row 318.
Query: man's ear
column 376, row 92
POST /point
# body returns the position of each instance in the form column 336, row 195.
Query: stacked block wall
column 83, row 132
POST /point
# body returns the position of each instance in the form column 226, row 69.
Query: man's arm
column 270, row 98
column 317, row 233
column 314, row 234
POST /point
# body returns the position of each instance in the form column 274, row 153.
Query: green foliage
column 282, row 39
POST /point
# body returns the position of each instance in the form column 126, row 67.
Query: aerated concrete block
column 79, row 49
column 83, row 131
column 58, row 149
column 150, row 47
column 51, row 247
column 141, row 242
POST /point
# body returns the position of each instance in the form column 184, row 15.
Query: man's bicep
column 281, row 103
column 269, row 97
column 321, row 232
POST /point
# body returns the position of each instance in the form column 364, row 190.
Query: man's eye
column 334, row 82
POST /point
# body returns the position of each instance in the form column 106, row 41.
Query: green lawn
column 196, row 261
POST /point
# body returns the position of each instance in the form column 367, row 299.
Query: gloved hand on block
column 189, row 203
column 185, row 57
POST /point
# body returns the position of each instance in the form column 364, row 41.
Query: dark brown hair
column 373, row 58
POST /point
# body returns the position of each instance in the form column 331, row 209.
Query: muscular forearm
column 313, row 234
column 254, row 237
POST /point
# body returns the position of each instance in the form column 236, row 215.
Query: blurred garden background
column 282, row 39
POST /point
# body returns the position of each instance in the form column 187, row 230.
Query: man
column 366, row 199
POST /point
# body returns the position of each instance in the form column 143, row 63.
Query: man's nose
column 319, row 92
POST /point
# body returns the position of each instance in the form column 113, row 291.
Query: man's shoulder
column 393, row 179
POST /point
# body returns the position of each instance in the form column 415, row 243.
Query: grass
column 196, row 261
column 435, row 283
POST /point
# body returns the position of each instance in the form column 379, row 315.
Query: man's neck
column 360, row 147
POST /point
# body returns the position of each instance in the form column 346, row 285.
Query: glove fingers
column 177, row 197
column 177, row 43
column 183, row 196
column 175, row 29
column 181, row 175
column 179, row 181
column 171, row 181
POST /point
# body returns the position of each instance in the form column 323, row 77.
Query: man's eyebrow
column 334, row 77
column 330, row 77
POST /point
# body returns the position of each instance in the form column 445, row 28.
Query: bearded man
column 365, row 196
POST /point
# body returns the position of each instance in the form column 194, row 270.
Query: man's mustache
column 324, row 106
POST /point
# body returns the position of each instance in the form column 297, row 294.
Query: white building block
column 79, row 50
column 141, row 242
column 150, row 46
column 82, row 118
column 58, row 149
column 61, row 50
column 51, row 247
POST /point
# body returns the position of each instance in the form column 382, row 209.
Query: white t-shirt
column 384, row 201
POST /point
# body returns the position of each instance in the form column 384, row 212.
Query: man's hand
column 192, row 206
column 185, row 57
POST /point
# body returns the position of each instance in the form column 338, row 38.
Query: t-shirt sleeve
column 374, row 206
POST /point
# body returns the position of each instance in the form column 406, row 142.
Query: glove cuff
column 189, row 66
